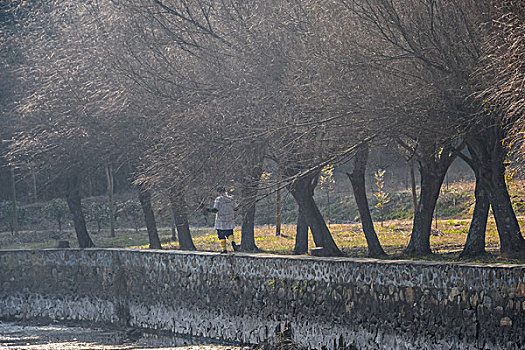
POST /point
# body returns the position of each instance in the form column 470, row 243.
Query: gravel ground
column 55, row 337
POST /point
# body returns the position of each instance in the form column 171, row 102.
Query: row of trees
column 191, row 94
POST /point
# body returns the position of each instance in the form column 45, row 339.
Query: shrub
column 131, row 211
column 97, row 213
column 57, row 210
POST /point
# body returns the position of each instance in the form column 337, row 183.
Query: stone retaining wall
column 371, row 303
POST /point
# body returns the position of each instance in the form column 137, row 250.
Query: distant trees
column 7, row 215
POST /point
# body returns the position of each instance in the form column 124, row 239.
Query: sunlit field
column 448, row 233
column 449, row 237
column 447, row 240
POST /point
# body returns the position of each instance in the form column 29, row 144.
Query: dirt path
column 55, row 337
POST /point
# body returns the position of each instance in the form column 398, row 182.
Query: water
column 63, row 337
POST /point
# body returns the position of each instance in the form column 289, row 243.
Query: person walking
column 224, row 207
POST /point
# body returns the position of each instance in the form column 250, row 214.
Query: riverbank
column 242, row 298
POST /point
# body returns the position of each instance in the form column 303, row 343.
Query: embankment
column 242, row 297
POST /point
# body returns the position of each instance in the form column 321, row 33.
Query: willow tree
column 63, row 123
column 430, row 52
column 500, row 81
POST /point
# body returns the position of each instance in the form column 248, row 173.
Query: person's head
column 221, row 190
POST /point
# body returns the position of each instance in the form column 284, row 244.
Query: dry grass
column 446, row 241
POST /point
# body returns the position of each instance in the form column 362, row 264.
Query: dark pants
column 223, row 234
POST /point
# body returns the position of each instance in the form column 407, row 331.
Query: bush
column 131, row 211
column 57, row 210
column 97, row 213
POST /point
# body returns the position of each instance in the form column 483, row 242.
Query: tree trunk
column 279, row 212
column 432, row 169
column 413, row 185
column 511, row 240
column 33, row 177
column 180, row 214
column 301, row 191
column 74, row 203
column 109, row 178
column 15, row 209
column 488, row 152
column 328, row 206
column 301, row 236
column 248, row 230
column 248, row 220
column 420, row 238
column 173, row 226
column 357, row 179
column 249, row 188
column 149, row 216
column 173, row 231
column 475, row 244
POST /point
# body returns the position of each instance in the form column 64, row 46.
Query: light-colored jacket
column 224, row 219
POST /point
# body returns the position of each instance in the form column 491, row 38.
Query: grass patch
column 454, row 211
column 447, row 239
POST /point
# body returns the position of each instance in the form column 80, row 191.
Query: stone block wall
column 371, row 303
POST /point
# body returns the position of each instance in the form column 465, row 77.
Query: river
column 63, row 337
